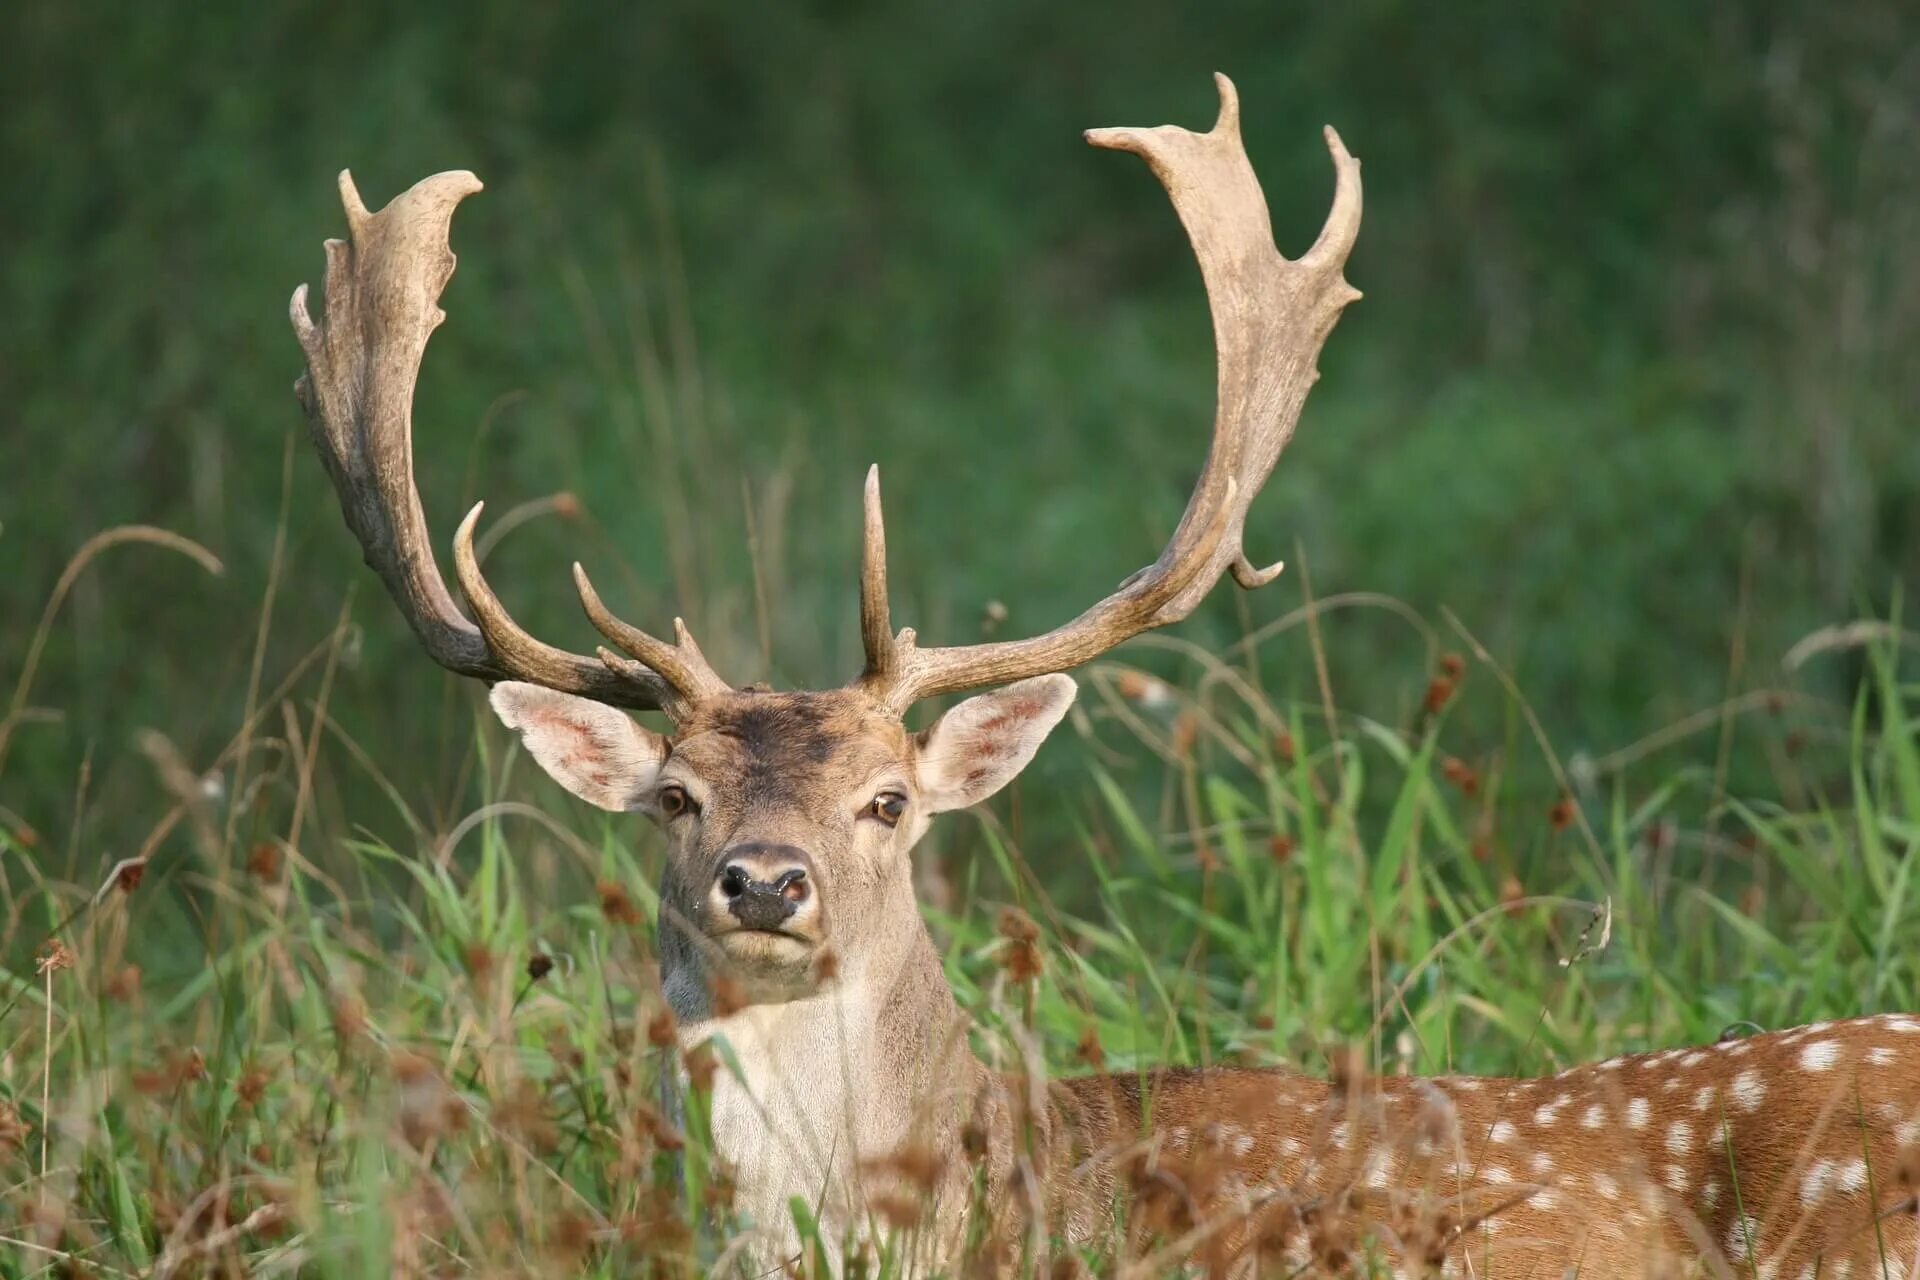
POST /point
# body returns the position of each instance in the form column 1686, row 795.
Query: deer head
column 789, row 815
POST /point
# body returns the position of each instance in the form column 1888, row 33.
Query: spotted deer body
column 792, row 948
column 1790, row 1154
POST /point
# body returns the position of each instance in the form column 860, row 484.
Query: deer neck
column 827, row 1081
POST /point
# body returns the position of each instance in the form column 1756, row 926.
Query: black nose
column 762, row 888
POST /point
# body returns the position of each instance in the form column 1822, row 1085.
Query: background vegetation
column 1623, row 418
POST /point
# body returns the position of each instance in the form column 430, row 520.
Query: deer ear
column 982, row 744
column 591, row 749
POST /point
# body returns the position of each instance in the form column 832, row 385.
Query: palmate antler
column 382, row 304
column 1270, row 319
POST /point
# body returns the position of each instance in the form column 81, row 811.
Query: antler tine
column 513, row 647
column 383, row 286
column 680, row 664
column 876, row 625
column 1270, row 319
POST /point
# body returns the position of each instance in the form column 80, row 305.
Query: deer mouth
column 770, row 942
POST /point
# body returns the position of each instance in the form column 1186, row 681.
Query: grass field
column 1581, row 722
column 280, row 1045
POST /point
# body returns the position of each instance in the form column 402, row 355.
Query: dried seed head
column 1284, row 747
column 701, row 1063
column 1138, row 686
column 1439, row 694
column 1089, row 1051
column 123, row 985
column 130, row 874
column 479, row 962
column 615, row 903
column 1562, row 814
column 914, row 1164
column 663, row 1135
column 1511, row 893
column 729, row 997
column 570, row 1237
column 566, row 505
column 539, row 965
column 1281, row 848
column 898, row 1209
column 523, row 1113
column 661, row 1028
column 1022, row 961
column 1453, row 666
column 1017, row 925
column 263, row 861
column 54, row 956
column 349, row 1016
column 252, row 1087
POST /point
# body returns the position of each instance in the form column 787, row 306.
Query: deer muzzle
column 766, row 887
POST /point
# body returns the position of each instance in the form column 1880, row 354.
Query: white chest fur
column 799, row 1114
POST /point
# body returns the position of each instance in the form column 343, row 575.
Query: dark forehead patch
column 791, row 748
column 769, row 727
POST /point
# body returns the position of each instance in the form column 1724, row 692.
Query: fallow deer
column 788, row 818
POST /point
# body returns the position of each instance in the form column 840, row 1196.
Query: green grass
column 286, row 1046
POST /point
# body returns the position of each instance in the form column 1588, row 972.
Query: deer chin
column 767, row 958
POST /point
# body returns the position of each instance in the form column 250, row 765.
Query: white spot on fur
column 1594, row 1116
column 1822, row 1177
column 1340, row 1136
column 1503, row 1131
column 1547, row 1115
column 1710, row 1193
column 1637, row 1113
column 1497, row 1173
column 1749, row 1090
column 1741, row 1236
column 1676, row 1178
column 1820, row 1055
column 1691, row 1059
column 1680, row 1138
column 1703, row 1098
column 1880, row 1056
column 1542, row 1163
column 1606, row 1186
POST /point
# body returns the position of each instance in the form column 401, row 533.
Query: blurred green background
column 1632, row 388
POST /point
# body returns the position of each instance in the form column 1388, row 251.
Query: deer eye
column 888, row 807
column 674, row 801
